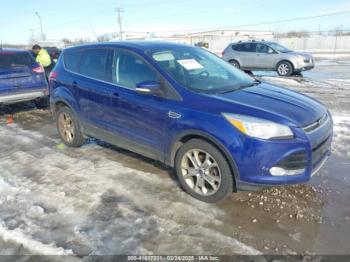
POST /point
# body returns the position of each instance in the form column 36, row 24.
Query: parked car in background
column 202, row 44
column 219, row 128
column 269, row 56
column 54, row 52
column 21, row 78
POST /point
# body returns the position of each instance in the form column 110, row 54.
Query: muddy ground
column 99, row 199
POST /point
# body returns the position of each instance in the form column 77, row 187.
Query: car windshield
column 13, row 59
column 201, row 71
column 279, row 48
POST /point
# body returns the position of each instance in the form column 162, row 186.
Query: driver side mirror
column 149, row 88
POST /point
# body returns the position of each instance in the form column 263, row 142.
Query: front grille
column 319, row 152
column 294, row 161
column 320, row 122
column 307, row 61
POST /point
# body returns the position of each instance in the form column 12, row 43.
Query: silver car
column 267, row 56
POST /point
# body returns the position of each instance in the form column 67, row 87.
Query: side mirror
column 148, row 88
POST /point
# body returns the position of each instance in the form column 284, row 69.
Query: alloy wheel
column 66, row 127
column 283, row 69
column 201, row 172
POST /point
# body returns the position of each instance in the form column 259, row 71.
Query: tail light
column 53, row 75
column 38, row 70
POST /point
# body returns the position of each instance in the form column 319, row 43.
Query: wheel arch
column 182, row 138
column 62, row 96
column 235, row 60
column 56, row 105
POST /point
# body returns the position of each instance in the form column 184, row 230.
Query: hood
column 294, row 107
column 306, row 55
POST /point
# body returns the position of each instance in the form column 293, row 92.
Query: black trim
column 294, row 161
column 121, row 141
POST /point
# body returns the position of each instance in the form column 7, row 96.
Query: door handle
column 74, row 84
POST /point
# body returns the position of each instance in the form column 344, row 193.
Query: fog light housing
column 279, row 171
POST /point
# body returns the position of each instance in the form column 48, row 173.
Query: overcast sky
column 79, row 18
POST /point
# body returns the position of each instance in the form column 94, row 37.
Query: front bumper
column 22, row 97
column 307, row 152
column 304, row 66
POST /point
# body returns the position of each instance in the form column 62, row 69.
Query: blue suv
column 21, row 78
column 219, row 128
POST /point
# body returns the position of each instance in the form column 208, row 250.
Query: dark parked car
column 54, row 52
column 21, row 78
column 221, row 129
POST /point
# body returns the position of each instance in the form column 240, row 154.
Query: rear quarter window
column 72, row 59
column 235, row 47
column 13, row 59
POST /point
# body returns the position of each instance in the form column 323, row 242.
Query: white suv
column 267, row 56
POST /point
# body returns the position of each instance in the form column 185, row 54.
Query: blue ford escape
column 219, row 128
column 21, row 78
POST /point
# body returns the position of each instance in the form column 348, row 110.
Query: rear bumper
column 21, row 97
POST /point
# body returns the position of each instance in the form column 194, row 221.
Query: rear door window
column 93, row 63
column 13, row 59
column 248, row 47
column 72, row 59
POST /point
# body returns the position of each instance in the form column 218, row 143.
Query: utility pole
column 119, row 11
column 41, row 26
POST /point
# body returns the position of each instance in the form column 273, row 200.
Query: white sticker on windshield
column 190, row 64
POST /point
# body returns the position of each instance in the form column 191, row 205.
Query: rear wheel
column 235, row 64
column 284, row 68
column 203, row 171
column 68, row 127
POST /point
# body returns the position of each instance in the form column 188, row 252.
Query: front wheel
column 203, row 171
column 69, row 128
column 284, row 68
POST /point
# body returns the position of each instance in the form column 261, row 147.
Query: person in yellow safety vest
column 43, row 58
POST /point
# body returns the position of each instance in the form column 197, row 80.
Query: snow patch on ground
column 63, row 201
column 341, row 144
column 36, row 247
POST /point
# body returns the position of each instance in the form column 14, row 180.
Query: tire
column 211, row 184
column 284, row 68
column 249, row 72
column 68, row 127
column 235, row 64
column 42, row 103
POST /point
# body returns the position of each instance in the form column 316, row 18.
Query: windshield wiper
column 254, row 83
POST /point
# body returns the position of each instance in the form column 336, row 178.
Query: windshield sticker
column 163, row 56
column 190, row 64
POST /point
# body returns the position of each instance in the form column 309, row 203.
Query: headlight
column 259, row 128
